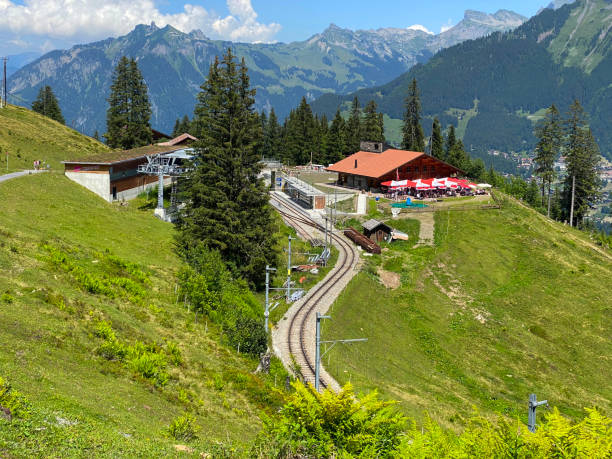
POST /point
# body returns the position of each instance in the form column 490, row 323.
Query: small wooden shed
column 377, row 231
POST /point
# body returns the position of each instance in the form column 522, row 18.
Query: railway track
column 295, row 335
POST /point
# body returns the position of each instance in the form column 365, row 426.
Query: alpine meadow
column 227, row 231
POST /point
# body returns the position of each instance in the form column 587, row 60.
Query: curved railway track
column 297, row 336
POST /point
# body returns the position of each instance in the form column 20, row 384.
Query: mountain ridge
column 174, row 65
column 494, row 88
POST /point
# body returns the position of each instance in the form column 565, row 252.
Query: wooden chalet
column 376, row 163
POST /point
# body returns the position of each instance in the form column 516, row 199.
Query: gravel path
column 426, row 232
column 12, row 175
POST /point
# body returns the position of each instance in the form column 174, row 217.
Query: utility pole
column 572, row 205
column 289, row 270
column 4, row 59
column 318, row 342
column 267, row 311
column 533, row 404
column 325, row 218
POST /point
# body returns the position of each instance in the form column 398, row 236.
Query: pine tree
column 371, row 129
column 323, row 141
column 274, row 135
column 337, row 139
column 96, row 135
column 437, row 141
column 458, row 156
column 177, row 128
column 353, row 128
column 582, row 159
column 46, row 104
column 550, row 137
column 129, row 111
column 300, row 134
column 228, row 208
column 413, row 137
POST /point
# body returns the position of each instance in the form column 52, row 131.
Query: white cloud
column 449, row 25
column 97, row 19
column 420, row 27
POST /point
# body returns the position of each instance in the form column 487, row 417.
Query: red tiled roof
column 374, row 165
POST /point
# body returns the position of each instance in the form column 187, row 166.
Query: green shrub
column 174, row 353
column 149, row 362
column 331, row 424
column 12, row 403
column 105, row 331
column 248, row 334
column 7, row 298
column 184, row 428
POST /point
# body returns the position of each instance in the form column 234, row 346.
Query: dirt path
column 426, row 231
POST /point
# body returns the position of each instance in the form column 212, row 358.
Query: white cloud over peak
column 449, row 25
column 79, row 20
column 420, row 27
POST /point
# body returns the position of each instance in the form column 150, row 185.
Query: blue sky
column 43, row 25
column 302, row 18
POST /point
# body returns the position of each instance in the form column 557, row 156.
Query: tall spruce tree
column 323, row 140
column 300, row 134
column 353, row 128
column 274, row 135
column 413, row 138
column 46, row 104
column 228, row 208
column 337, row 139
column 582, row 158
column 437, row 141
column 550, row 136
column 371, row 129
column 129, row 111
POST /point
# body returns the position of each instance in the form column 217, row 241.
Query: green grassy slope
column 28, row 136
column 81, row 402
column 504, row 304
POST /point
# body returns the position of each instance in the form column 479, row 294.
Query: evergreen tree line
column 304, row 136
column 46, row 104
column 572, row 138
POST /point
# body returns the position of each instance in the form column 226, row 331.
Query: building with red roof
column 375, row 163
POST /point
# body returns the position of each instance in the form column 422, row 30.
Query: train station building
column 377, row 163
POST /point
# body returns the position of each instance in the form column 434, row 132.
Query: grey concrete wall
column 98, row 183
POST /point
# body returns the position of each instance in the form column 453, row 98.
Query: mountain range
column 175, row 64
column 495, row 88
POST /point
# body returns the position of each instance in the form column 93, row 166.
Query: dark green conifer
column 353, row 128
column 550, row 137
column 337, row 140
column 413, row 138
column 372, row 129
column 129, row 111
column 46, row 104
column 582, row 158
column 437, row 141
column 228, row 208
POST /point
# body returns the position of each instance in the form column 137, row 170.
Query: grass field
column 504, row 304
column 28, row 136
column 53, row 231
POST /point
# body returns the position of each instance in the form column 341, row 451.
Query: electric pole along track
column 295, row 333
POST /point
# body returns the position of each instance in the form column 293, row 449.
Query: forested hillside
column 494, row 88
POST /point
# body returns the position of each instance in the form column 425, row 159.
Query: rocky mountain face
column 174, row 65
column 495, row 89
